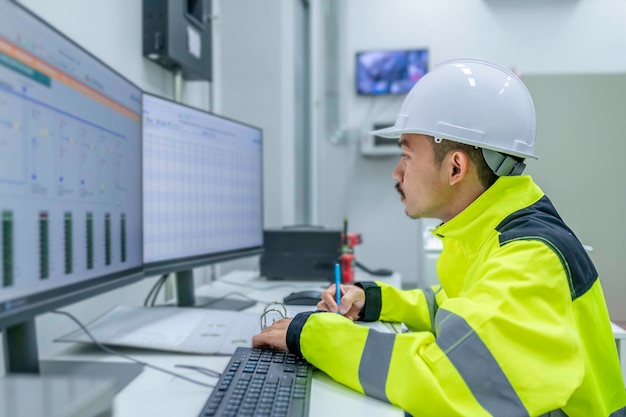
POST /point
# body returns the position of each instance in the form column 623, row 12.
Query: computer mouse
column 303, row 298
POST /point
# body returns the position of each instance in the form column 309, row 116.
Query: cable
column 379, row 272
column 130, row 358
column 145, row 301
column 154, row 290
column 201, row 369
column 158, row 288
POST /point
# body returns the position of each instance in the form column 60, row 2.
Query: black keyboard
column 261, row 383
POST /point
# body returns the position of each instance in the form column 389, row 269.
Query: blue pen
column 337, row 287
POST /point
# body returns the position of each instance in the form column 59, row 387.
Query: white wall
column 257, row 86
column 534, row 36
column 580, row 141
column 537, row 36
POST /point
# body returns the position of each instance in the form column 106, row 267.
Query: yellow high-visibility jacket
column 519, row 326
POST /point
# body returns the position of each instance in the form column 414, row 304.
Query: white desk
column 157, row 394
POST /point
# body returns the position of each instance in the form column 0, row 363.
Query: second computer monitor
column 202, row 187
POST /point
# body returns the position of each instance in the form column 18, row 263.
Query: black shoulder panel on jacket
column 540, row 221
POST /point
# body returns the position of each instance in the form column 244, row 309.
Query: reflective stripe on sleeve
column 431, row 302
column 374, row 365
column 477, row 366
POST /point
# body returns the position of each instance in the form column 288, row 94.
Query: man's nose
column 397, row 173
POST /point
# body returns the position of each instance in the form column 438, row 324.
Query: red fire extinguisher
column 347, row 260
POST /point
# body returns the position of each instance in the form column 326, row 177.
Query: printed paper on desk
column 188, row 330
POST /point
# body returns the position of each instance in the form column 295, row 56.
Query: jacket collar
column 474, row 224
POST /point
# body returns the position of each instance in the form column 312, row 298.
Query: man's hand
column 352, row 301
column 273, row 337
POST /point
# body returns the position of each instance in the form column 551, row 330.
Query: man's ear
column 459, row 166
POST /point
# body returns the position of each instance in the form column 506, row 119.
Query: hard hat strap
column 502, row 164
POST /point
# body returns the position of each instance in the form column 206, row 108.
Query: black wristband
column 373, row 301
column 295, row 330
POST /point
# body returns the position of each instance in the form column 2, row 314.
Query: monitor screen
column 203, row 187
column 390, row 72
column 70, row 170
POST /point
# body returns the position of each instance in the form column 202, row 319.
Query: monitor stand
column 187, row 298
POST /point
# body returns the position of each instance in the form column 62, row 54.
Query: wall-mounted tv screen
column 389, row 71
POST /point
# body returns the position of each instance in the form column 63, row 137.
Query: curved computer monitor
column 70, row 178
column 203, row 193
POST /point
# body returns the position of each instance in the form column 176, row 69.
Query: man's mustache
column 398, row 189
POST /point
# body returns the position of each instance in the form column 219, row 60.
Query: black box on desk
column 300, row 253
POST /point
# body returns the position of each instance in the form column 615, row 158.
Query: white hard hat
column 470, row 101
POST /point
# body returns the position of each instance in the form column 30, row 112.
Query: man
column 519, row 325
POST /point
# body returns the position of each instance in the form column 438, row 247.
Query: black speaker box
column 300, row 253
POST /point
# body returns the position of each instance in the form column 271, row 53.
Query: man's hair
column 486, row 176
